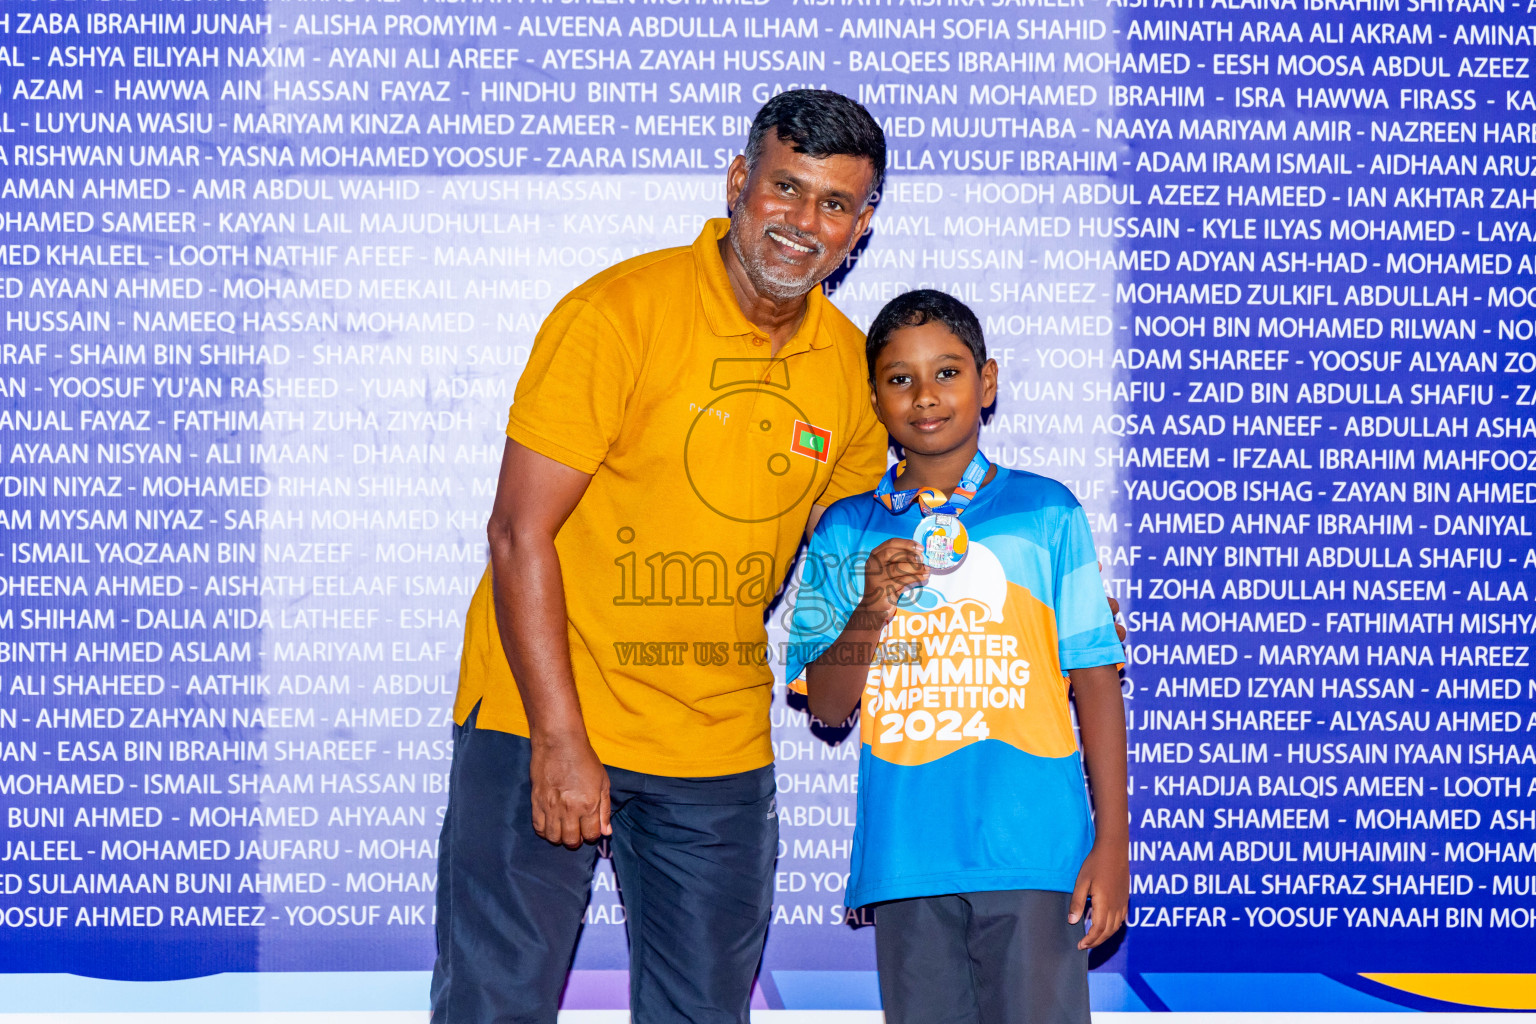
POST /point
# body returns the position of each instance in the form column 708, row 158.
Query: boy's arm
column 835, row 681
column 1106, row 874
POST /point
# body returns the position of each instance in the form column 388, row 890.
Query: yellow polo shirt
column 706, row 455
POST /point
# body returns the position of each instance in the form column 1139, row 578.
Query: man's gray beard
column 767, row 283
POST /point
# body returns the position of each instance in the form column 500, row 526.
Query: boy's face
column 928, row 392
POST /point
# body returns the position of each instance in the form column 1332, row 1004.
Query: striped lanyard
column 930, row 501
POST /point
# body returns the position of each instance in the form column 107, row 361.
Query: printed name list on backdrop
column 1259, row 275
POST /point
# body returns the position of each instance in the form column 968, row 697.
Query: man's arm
column 1106, row 874
column 810, row 524
column 534, row 497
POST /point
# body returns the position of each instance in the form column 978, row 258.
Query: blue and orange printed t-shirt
column 969, row 773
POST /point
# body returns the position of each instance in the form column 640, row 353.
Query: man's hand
column 1114, row 609
column 1106, row 878
column 570, row 792
column 893, row 566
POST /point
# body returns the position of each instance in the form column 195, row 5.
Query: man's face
column 794, row 217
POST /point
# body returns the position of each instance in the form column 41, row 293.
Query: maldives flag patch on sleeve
column 812, row 442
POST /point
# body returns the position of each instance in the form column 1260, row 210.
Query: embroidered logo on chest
column 812, row 442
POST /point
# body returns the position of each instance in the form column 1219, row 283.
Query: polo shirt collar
column 720, row 308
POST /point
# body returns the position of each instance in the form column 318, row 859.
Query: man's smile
column 791, row 244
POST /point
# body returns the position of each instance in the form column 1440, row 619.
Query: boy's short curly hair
column 918, row 307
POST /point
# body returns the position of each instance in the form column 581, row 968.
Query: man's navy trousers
column 694, row 859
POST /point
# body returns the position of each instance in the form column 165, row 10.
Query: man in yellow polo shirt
column 682, row 419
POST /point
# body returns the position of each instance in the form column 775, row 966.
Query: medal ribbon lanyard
column 930, row 501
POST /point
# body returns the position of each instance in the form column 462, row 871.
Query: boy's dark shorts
column 1006, row 957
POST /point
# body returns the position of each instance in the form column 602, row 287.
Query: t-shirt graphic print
column 969, row 775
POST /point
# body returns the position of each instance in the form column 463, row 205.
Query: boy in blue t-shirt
column 952, row 605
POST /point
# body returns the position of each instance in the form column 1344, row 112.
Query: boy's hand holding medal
column 893, row 566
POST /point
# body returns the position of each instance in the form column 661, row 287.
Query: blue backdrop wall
column 1259, row 275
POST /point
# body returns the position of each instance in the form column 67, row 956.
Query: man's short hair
column 820, row 123
column 918, row 307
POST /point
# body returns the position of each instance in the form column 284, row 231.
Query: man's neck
column 778, row 318
column 942, row 471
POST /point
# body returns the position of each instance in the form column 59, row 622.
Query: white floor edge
column 758, row 1017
